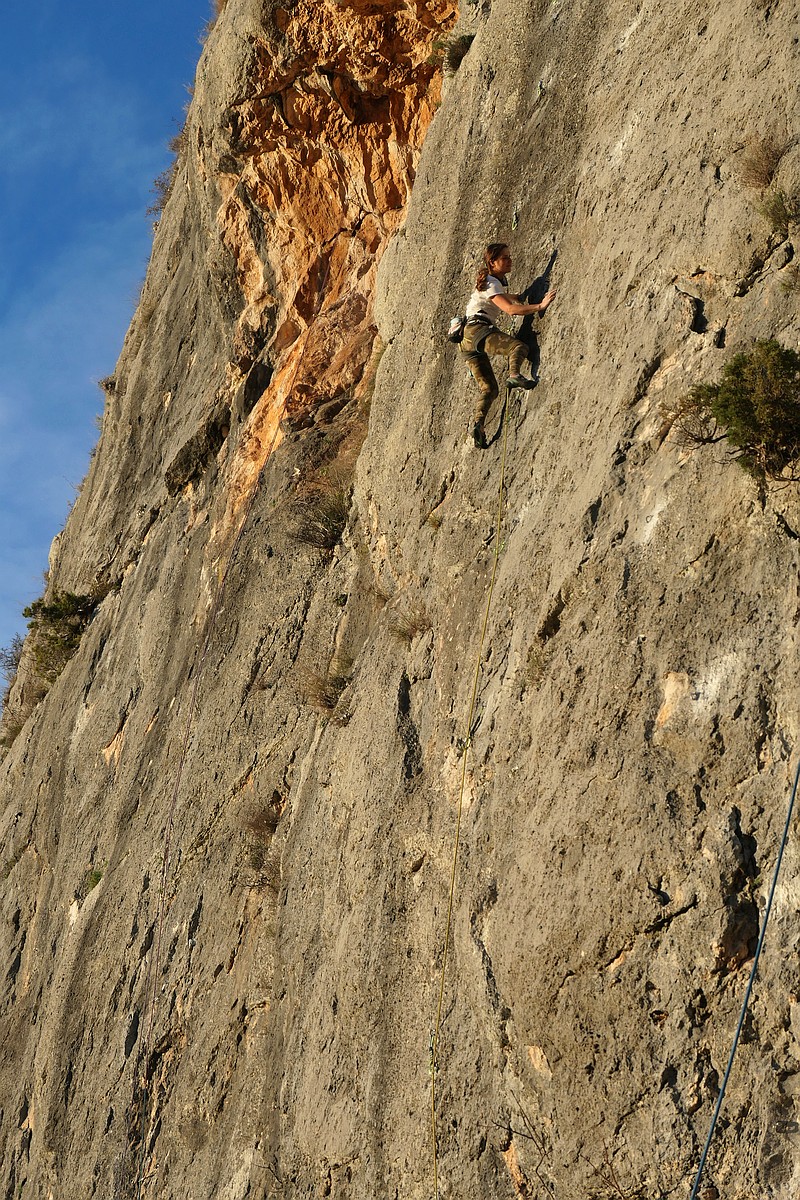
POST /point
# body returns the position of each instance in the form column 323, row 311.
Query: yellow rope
column 434, row 1047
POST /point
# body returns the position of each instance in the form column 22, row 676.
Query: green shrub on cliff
column 449, row 52
column 779, row 210
column 755, row 406
column 56, row 628
column 88, row 883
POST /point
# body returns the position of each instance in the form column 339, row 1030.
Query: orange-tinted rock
column 326, row 143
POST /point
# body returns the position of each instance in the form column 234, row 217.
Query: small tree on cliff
column 56, row 627
column 755, row 406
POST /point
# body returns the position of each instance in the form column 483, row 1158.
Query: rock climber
column 487, row 304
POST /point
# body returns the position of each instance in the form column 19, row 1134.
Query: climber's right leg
column 481, row 368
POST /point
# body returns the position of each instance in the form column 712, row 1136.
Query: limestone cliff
column 228, row 827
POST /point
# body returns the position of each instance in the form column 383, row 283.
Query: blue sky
column 91, row 92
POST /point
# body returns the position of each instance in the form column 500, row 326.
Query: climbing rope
column 749, row 988
column 434, row 1043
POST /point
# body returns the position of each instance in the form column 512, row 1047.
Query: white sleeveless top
column 480, row 304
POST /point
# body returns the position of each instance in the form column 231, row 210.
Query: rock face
column 228, row 829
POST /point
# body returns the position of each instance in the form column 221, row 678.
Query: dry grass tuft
column 9, row 663
column 12, row 727
column 322, row 510
column 324, row 691
column 260, row 827
column 162, row 184
column 761, row 160
column 407, row 623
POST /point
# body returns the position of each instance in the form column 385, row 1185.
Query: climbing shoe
column 478, row 436
column 519, row 381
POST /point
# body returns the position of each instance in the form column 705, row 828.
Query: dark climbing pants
column 476, row 347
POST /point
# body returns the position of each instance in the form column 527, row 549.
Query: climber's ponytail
column 490, row 256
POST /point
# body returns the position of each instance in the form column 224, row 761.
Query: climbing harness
column 465, row 744
column 749, row 988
